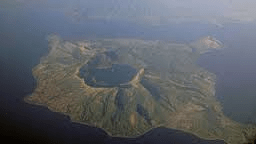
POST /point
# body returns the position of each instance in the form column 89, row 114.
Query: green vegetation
column 171, row 91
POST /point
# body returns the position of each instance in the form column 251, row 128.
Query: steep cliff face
column 166, row 88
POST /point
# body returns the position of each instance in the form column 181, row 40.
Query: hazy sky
column 214, row 11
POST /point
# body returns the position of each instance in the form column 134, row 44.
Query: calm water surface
column 235, row 68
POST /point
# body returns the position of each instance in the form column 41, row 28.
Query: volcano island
column 129, row 86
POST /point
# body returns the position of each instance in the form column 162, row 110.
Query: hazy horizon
column 216, row 12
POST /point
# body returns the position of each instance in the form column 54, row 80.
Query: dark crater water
column 107, row 77
column 104, row 70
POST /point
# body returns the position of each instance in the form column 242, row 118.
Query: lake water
column 235, row 68
column 23, row 41
column 108, row 77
